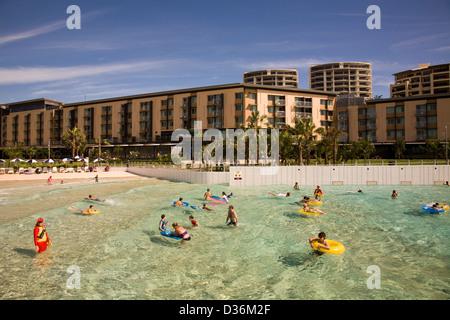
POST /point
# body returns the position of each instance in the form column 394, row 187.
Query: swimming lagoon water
column 121, row 254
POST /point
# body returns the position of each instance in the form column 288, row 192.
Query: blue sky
column 134, row 47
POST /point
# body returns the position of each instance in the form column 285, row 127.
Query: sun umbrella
column 49, row 161
column 98, row 159
column 32, row 161
column 66, row 159
column 17, row 160
column 1, row 161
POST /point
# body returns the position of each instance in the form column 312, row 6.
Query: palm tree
column 304, row 133
column 399, row 147
column 74, row 140
column 334, row 135
column 255, row 119
column 297, row 132
column 366, row 148
column 434, row 148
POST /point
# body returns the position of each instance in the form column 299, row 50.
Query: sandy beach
column 13, row 180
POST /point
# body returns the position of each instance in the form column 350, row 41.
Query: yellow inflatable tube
column 315, row 203
column 335, row 247
column 310, row 213
column 87, row 212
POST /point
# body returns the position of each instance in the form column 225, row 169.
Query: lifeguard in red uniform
column 41, row 239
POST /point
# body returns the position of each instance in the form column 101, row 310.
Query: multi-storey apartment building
column 342, row 78
column 383, row 121
column 424, row 80
column 149, row 119
column 273, row 77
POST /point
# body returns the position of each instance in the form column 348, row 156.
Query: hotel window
column 421, row 135
column 390, row 110
column 431, row 107
column 238, row 95
column 324, row 102
column 193, row 99
column 194, row 111
column 391, row 134
column 400, row 109
column 252, row 96
column 342, row 115
column 371, row 113
column 421, row 110
column 361, row 123
column 432, row 133
column 421, row 122
column 362, row 112
column 238, row 107
column 432, row 119
column 239, row 119
column 390, row 121
column 253, row 108
column 400, row 120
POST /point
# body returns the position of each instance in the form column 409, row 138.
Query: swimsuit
column 183, row 234
column 163, row 225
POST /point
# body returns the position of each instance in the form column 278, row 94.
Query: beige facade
column 424, row 80
column 342, row 78
column 272, row 77
column 412, row 119
column 150, row 118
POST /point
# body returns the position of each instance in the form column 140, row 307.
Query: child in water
column 194, row 223
column 322, row 243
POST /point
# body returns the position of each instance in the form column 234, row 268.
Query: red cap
column 40, row 220
column 318, row 186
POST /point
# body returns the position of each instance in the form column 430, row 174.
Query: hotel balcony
column 303, row 115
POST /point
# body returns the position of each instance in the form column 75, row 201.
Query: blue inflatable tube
column 430, row 209
column 183, row 204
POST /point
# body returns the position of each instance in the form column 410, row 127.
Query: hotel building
column 424, row 80
column 148, row 120
column 412, row 117
column 273, row 77
column 383, row 121
column 342, row 78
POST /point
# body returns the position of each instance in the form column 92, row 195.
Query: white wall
column 306, row 175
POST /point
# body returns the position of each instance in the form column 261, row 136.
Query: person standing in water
column 232, row 216
column 41, row 238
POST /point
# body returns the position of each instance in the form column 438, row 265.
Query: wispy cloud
column 32, row 33
column 26, row 75
column 50, row 27
column 418, row 41
column 282, row 64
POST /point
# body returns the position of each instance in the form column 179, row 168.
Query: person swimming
column 180, row 232
column 287, row 195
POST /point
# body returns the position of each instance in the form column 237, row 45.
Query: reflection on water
column 121, row 254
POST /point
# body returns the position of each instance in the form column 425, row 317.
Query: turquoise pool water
column 121, row 255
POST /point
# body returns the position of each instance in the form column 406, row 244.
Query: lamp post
column 446, row 146
column 49, row 141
